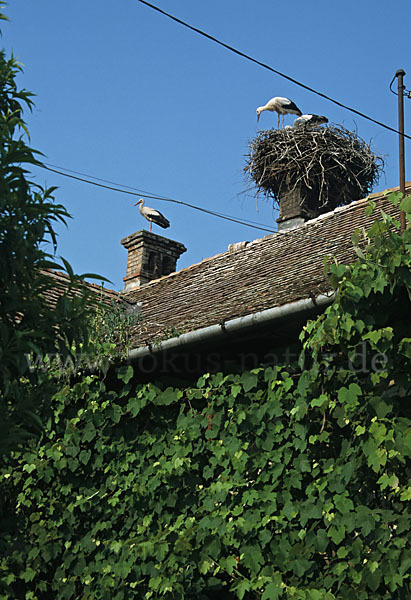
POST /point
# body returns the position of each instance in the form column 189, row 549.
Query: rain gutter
column 233, row 325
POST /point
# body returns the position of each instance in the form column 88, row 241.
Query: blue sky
column 125, row 94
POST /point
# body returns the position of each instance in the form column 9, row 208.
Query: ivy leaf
column 406, row 204
column 116, row 547
column 84, row 456
column 248, row 381
column 318, row 402
column 272, row 591
column 253, row 559
column 135, row 405
column 343, row 503
column 406, row 494
column 167, row 397
column 125, row 373
column 89, row 432
column 235, row 390
column 349, row 396
column 241, row 588
column 338, row 270
column 229, row 564
column 29, row 574
column 337, row 534
column 382, row 409
column 321, row 540
column 302, row 464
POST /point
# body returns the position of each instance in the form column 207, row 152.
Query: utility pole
column 400, row 75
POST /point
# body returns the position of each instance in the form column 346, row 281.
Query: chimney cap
column 147, row 236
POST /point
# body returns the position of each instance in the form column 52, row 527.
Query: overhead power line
column 122, row 185
column 244, row 222
column 265, row 66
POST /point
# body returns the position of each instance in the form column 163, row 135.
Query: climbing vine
column 272, row 483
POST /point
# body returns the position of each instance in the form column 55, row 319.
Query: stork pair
column 282, row 106
column 285, row 106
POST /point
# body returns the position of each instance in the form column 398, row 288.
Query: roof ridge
column 292, row 232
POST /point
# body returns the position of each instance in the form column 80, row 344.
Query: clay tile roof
column 60, row 287
column 272, row 271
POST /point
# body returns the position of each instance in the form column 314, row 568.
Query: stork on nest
column 282, row 106
column 330, row 165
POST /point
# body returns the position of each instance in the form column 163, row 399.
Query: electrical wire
column 122, row 185
column 244, row 222
column 265, row 66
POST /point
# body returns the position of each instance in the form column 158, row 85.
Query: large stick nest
column 330, row 165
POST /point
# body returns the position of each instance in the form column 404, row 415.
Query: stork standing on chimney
column 282, row 106
column 152, row 215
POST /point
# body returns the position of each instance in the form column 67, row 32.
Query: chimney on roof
column 292, row 213
column 150, row 256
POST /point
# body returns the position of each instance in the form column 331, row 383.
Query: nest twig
column 331, row 165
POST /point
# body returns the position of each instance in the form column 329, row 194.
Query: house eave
column 232, row 326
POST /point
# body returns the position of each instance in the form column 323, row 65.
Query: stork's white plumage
column 152, row 215
column 282, row 106
column 308, row 120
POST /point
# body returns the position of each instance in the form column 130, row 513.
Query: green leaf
column 253, row 559
column 125, row 373
column 84, row 456
column 241, row 588
column 302, row 464
column 343, row 503
column 167, row 397
column 28, row 575
column 248, row 381
column 229, row 564
column 272, row 591
column 382, row 409
column 370, row 208
column 235, row 390
column 116, row 547
column 337, row 534
column 135, row 405
column 406, row 494
column 406, row 204
column 338, row 270
column 321, row 540
column 319, row 401
column 349, row 396
column 89, row 432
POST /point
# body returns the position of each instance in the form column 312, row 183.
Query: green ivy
column 267, row 484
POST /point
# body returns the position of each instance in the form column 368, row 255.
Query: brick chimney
column 150, row 256
column 291, row 209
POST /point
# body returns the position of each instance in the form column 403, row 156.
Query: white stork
column 152, row 215
column 308, row 120
column 282, row 106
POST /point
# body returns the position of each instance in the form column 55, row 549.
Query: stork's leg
column 278, row 122
column 151, row 225
column 283, row 121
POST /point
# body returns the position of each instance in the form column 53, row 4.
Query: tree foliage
column 29, row 324
column 274, row 483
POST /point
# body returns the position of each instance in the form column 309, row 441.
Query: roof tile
column 268, row 272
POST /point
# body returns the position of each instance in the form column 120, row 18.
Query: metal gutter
column 231, row 326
